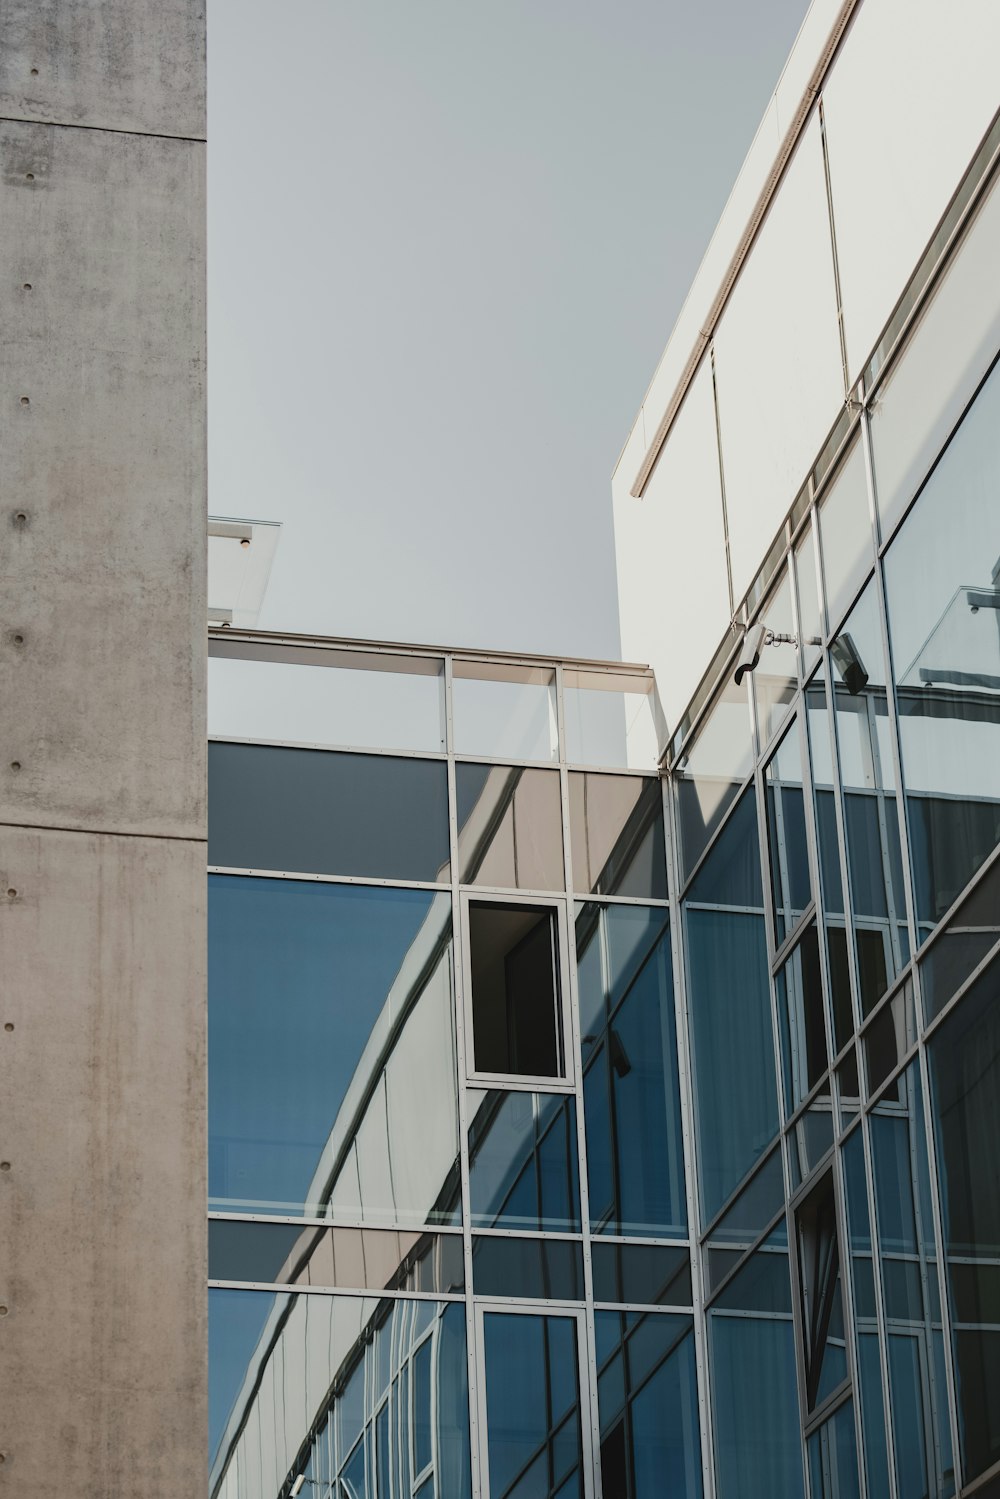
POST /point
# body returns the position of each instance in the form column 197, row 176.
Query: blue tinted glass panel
column 730, row 876
column 833, row 1458
column 324, row 1000
column 532, row 1387
column 283, row 1367
column 631, row 1089
column 651, row 1274
column 757, row 1443
column 787, row 849
column 528, row 1269
column 523, row 1161
column 649, row 1417
column 316, row 812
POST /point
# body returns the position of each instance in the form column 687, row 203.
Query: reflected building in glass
column 604, row 1059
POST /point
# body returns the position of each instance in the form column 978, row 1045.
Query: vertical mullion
column 593, row 1483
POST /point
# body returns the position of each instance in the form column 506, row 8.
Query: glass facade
column 577, row 1130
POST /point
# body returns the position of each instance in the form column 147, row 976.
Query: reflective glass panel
column 528, row 1269
column 810, row 631
column 810, row 1137
column 799, row 988
column 776, row 677
column 871, row 1408
column 833, row 1457
column 648, row 1399
column 709, row 774
column 523, row 1161
column 757, row 1443
column 642, row 1274
column 821, row 1301
column 326, row 697
column 610, row 719
column 509, row 827
column 845, row 532
column 970, row 935
column 910, row 1280
column 630, row 1087
column 516, row 990
column 729, row 1001
column 871, row 812
column 503, row 711
column 761, row 1284
column 742, row 1225
column 788, row 853
column 965, row 1080
column 942, row 577
column 357, row 1258
column 889, row 1036
column 301, row 811
column 533, row 1436
column 616, row 829
column 295, row 1383
column 952, row 345
column 332, row 1070
column 828, row 854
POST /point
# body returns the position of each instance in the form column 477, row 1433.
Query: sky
column 447, row 243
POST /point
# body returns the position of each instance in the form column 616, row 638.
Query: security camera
column 847, row 660
column 754, row 642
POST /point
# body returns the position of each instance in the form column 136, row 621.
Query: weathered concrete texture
column 114, row 64
column 102, row 1258
column 102, row 481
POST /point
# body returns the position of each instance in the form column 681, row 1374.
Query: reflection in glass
column 777, row 676
column 364, row 1259
column 610, row 719
column 743, row 1223
column 942, row 577
column 799, row 989
column 952, row 345
column 616, row 828
column 642, row 1274
column 301, row 811
column 828, row 854
column 325, row 697
column 528, row 1269
column 729, row 1004
column 965, row 1081
column 757, row 1443
column 516, row 1001
column 533, row 1426
column 523, row 1161
column 870, row 808
column 319, row 1385
column 845, row 532
column 761, row 1284
column 788, row 854
column 503, row 711
column 810, row 1137
column 509, row 827
column 833, row 1457
column 889, row 1036
column 709, row 774
column 332, row 1070
column 630, row 1087
column 821, row 1302
column 810, row 630
column 970, row 935
column 648, row 1401
column 871, row 1408
column 908, row 1262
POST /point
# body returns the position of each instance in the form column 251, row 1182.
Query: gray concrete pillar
column 102, row 748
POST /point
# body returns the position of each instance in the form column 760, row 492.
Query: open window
column 515, row 987
column 820, row 1300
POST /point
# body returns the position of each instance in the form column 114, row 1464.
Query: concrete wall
column 102, row 784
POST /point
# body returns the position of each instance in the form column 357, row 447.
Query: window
column 516, row 989
column 820, row 1302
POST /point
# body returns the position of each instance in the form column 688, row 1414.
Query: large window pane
column 787, row 847
column 509, row 827
column 364, row 1259
column 871, row 1406
column 801, row 1022
column 533, row 1435
column 965, row 1077
column 611, row 719
column 648, row 1399
column 709, row 774
column 527, row 1269
column 908, row 1262
column 301, row 811
column 332, row 1072
column 616, row 828
column 833, row 1457
column 523, row 1161
column 942, row 576
column 295, row 1385
column 631, row 1092
column 828, row 854
column 346, row 699
column 970, row 935
column 871, row 812
column 757, row 1443
column 729, row 1004
column 502, row 711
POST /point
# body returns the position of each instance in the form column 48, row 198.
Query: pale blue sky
column 447, row 242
